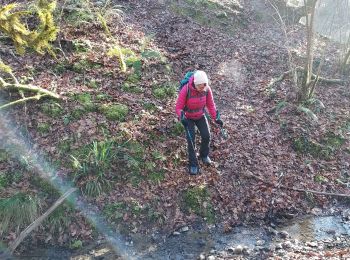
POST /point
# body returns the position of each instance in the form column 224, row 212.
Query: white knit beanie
column 200, row 77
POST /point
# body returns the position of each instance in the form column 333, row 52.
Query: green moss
column 92, row 83
column 156, row 176
column 177, row 129
column 163, row 92
column 43, row 128
column 131, row 88
column 4, row 182
column 325, row 149
column 77, row 113
column 115, row 211
column 76, row 244
column 320, row 179
column 103, row 96
column 209, row 13
column 84, row 65
column 197, row 200
column 333, row 140
column 158, row 156
column 150, row 107
column 85, row 99
column 115, row 112
column 3, row 155
column 150, row 54
column 81, row 45
column 52, row 109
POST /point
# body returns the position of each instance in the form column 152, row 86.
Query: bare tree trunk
column 305, row 90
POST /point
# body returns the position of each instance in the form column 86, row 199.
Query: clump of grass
column 115, row 112
column 43, row 128
column 52, row 109
column 177, row 129
column 59, row 219
column 18, row 211
column 92, row 169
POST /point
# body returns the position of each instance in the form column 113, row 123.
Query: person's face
column 201, row 87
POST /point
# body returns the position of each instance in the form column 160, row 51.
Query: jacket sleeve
column 181, row 101
column 211, row 104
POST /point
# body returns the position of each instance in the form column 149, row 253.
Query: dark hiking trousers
column 203, row 127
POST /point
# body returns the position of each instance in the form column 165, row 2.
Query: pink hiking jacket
column 195, row 104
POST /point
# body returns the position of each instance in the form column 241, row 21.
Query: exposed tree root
column 300, row 69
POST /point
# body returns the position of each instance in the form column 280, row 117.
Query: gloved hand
column 219, row 122
column 218, row 119
column 183, row 119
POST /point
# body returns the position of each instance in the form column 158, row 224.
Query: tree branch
column 23, row 100
column 39, row 220
column 313, row 77
column 27, row 87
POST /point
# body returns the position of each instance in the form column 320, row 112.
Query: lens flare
column 19, row 146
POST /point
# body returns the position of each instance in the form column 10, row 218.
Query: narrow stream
column 190, row 244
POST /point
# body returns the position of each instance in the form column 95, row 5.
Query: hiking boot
column 206, row 160
column 194, row 170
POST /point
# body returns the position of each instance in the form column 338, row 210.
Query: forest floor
column 268, row 151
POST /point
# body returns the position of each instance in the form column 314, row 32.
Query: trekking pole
column 223, row 131
column 191, row 141
column 192, row 144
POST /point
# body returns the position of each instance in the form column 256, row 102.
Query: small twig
column 251, row 175
column 23, row 100
column 39, row 220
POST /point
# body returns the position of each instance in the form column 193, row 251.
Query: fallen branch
column 39, row 220
column 251, row 175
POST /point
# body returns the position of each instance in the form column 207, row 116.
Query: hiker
column 194, row 97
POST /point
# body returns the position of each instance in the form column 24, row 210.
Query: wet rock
column 211, row 257
column 281, row 252
column 175, row 233
column 236, row 250
column 184, row 229
column 316, row 211
column 311, row 244
column 278, row 246
column 201, row 257
column 272, row 231
column 201, row 242
column 260, row 242
column 287, row 245
column 283, row 234
column 213, row 251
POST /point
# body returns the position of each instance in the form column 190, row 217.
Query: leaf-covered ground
column 151, row 189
